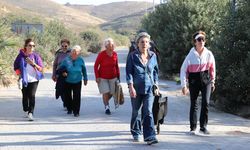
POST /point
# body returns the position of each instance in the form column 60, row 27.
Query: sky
column 98, row 2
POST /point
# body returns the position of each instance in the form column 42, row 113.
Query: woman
column 141, row 74
column 28, row 65
column 107, row 72
column 60, row 55
column 198, row 69
column 74, row 69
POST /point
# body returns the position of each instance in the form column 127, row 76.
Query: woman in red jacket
column 107, row 72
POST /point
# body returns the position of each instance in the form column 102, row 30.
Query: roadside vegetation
column 228, row 37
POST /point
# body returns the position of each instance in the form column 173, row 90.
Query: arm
column 96, row 67
column 212, row 71
column 117, row 68
column 183, row 75
column 129, row 76
column 84, row 73
column 55, row 65
column 156, row 72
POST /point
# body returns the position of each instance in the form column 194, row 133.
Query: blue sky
column 97, row 2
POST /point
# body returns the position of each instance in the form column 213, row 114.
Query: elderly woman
column 198, row 69
column 107, row 72
column 141, row 74
column 60, row 55
column 74, row 69
column 28, row 65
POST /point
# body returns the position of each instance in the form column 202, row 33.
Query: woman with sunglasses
column 28, row 65
column 60, row 55
column 198, row 70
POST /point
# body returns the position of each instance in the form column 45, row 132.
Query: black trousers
column 73, row 96
column 29, row 93
column 195, row 88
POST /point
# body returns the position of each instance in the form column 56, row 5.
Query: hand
column 132, row 91
column 29, row 61
column 212, row 87
column 184, row 90
column 64, row 74
column 85, row 82
column 54, row 78
column 97, row 80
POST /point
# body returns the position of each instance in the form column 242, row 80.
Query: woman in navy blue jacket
column 141, row 74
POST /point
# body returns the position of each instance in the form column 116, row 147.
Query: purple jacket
column 20, row 64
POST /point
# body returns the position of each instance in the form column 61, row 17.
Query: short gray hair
column 106, row 41
column 142, row 35
column 77, row 48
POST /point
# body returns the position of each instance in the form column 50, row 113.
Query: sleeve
column 184, row 72
column 17, row 62
column 129, row 69
column 97, row 65
column 117, row 67
column 55, row 64
column 212, row 69
column 84, row 71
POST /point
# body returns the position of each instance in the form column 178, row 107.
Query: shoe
column 76, row 115
column 69, row 112
column 107, row 112
column 204, row 131
column 152, row 141
column 137, row 139
column 30, row 116
column 25, row 114
column 191, row 132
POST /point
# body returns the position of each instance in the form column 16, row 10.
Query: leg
column 68, row 97
column 77, row 98
column 32, row 87
column 148, row 120
column 206, row 92
column 25, row 99
column 106, row 97
column 194, row 92
column 135, row 123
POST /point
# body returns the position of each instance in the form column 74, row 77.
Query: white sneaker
column 30, row 116
column 25, row 114
column 192, row 132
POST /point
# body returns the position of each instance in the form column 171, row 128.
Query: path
column 53, row 129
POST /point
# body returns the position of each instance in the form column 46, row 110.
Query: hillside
column 49, row 10
column 113, row 10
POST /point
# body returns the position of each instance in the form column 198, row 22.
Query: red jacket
column 106, row 66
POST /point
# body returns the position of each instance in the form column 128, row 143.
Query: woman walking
column 28, row 65
column 198, row 70
column 74, row 70
column 141, row 72
column 107, row 72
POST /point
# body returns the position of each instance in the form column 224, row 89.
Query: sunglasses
column 200, row 39
column 31, row 45
column 64, row 46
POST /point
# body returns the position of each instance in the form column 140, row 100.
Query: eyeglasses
column 31, row 45
column 200, row 39
column 64, row 46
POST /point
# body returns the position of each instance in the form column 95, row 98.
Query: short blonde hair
column 77, row 48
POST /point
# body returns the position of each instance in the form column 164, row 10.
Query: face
column 74, row 54
column 110, row 45
column 200, row 42
column 64, row 46
column 143, row 43
column 30, row 47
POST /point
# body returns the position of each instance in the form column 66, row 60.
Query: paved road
column 53, row 129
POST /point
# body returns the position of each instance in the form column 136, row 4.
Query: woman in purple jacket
column 28, row 65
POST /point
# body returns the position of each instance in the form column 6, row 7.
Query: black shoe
column 152, row 141
column 76, row 115
column 107, row 112
column 204, row 131
column 69, row 112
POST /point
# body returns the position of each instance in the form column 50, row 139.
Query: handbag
column 155, row 87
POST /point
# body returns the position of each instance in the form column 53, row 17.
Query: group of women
column 197, row 73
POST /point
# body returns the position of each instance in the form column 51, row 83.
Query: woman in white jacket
column 198, row 70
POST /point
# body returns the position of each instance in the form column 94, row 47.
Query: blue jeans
column 146, row 101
